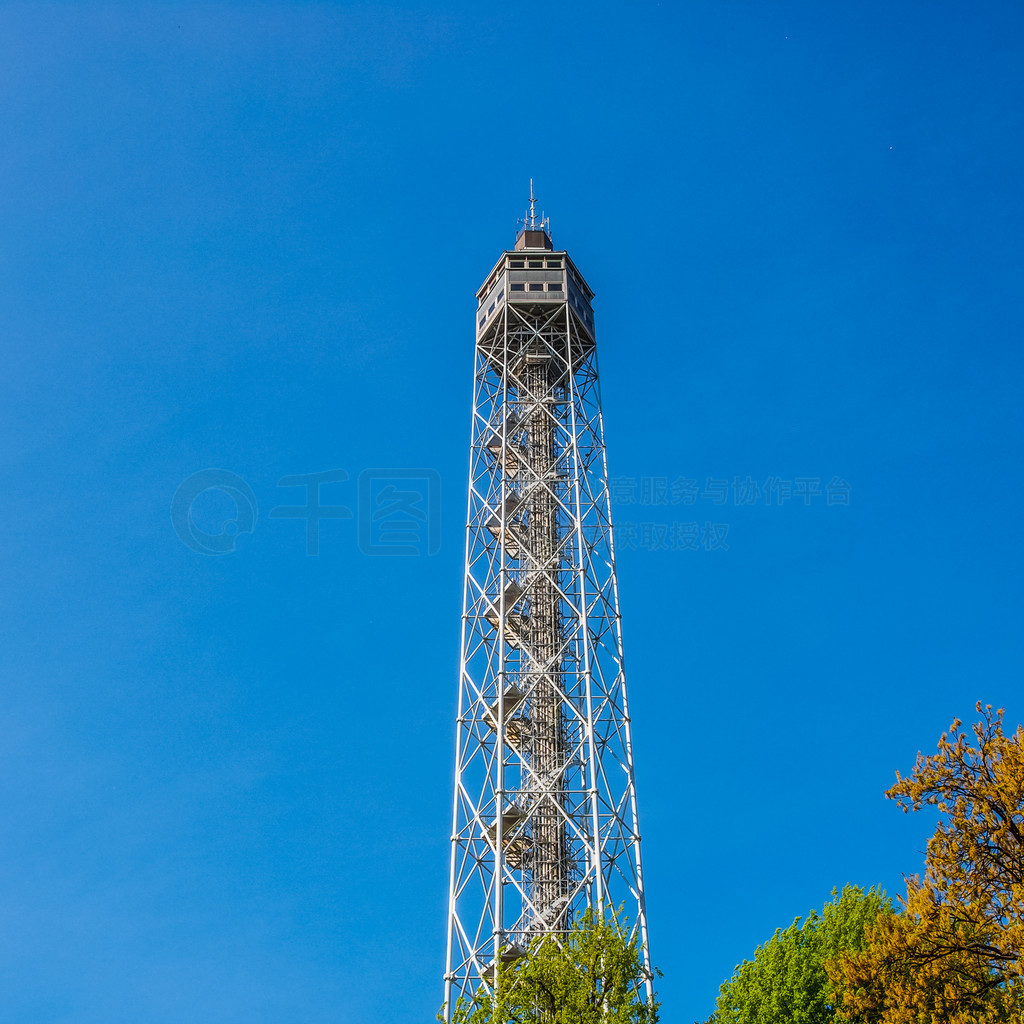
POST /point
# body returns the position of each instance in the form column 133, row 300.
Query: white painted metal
column 545, row 815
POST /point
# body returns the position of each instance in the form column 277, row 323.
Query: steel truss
column 545, row 814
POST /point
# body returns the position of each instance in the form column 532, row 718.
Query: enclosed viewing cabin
column 534, row 274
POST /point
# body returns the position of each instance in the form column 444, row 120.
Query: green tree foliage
column 786, row 982
column 594, row 976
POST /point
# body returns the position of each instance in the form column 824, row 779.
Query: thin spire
column 531, row 222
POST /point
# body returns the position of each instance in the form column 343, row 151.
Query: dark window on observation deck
column 518, row 287
column 517, row 264
column 536, row 287
column 537, row 264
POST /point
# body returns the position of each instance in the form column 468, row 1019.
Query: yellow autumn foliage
column 955, row 955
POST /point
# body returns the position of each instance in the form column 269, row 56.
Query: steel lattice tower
column 545, row 813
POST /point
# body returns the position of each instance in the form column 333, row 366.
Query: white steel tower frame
column 545, row 812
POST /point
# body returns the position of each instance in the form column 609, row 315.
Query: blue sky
column 247, row 238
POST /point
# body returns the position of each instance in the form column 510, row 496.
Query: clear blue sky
column 247, row 237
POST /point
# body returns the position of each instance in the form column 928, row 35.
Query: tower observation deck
column 545, row 812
